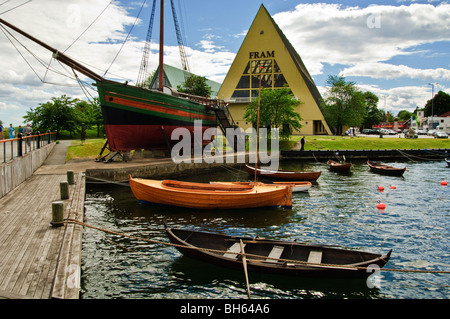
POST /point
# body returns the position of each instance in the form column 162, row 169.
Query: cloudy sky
column 392, row 48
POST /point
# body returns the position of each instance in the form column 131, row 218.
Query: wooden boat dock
column 38, row 260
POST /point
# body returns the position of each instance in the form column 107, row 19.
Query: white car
column 431, row 132
column 440, row 134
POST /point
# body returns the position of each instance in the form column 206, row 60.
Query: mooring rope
column 409, row 156
column 105, row 181
column 158, row 242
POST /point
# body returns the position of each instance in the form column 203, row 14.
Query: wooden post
column 64, row 188
column 70, row 178
column 57, row 213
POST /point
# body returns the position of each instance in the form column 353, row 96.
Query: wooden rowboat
column 273, row 256
column 210, row 196
column 283, row 175
column 296, row 186
column 385, row 169
column 448, row 161
column 339, row 167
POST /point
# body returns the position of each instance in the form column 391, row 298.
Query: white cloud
column 390, row 71
column 334, row 34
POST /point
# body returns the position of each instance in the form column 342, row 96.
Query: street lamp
column 432, row 101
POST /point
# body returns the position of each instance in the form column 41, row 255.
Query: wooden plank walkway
column 38, row 260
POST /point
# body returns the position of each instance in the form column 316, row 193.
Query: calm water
column 338, row 210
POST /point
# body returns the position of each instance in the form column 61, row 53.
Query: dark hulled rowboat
column 339, row 167
column 273, row 256
column 385, row 169
column 283, row 175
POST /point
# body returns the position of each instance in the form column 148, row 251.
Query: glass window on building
column 267, row 71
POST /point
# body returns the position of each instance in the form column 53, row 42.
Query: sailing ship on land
column 141, row 118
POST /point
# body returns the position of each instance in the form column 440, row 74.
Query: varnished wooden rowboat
column 385, row 169
column 210, row 196
column 283, row 175
column 296, row 186
column 339, row 167
column 273, row 256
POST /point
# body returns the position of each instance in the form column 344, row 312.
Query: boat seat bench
column 275, row 253
column 235, row 248
column 315, row 256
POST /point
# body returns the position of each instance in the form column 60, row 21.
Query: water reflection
column 337, row 210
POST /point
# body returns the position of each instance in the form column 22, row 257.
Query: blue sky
column 392, row 48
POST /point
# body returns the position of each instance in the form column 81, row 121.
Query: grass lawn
column 92, row 147
column 89, row 149
column 368, row 143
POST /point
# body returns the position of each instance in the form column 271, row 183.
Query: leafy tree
column 440, row 105
column 91, row 114
column 63, row 113
column 373, row 114
column 345, row 104
column 195, row 85
column 404, row 115
column 277, row 108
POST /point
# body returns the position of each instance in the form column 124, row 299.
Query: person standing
column 12, row 131
column 1, row 131
column 27, row 132
column 302, row 142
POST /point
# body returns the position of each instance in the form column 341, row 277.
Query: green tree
column 438, row 105
column 345, row 104
column 277, row 108
column 90, row 114
column 58, row 114
column 373, row 114
column 404, row 115
column 195, row 85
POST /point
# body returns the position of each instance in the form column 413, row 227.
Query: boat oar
column 244, row 262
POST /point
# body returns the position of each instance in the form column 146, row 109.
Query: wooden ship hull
column 138, row 118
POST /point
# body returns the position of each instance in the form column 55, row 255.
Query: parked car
column 371, row 131
column 421, row 132
column 439, row 134
column 431, row 132
column 392, row 132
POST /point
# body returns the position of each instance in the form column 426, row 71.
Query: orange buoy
column 444, row 183
column 380, row 188
column 381, row 205
column 393, row 187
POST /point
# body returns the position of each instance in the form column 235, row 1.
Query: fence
column 11, row 148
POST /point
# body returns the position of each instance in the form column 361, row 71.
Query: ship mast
column 161, row 46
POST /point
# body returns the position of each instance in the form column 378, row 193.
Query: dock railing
column 16, row 147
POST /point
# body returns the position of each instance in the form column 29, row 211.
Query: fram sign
column 262, row 55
